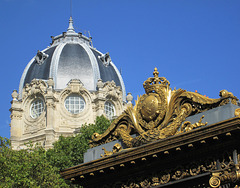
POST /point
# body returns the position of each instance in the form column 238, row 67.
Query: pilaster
column 50, row 108
column 16, row 119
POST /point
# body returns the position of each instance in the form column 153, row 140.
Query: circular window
column 109, row 110
column 36, row 108
column 74, row 103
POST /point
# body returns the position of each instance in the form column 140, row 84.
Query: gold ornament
column 159, row 114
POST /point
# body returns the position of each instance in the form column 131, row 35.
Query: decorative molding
column 111, row 91
column 34, row 127
column 168, row 175
column 50, row 104
column 16, row 115
column 35, row 88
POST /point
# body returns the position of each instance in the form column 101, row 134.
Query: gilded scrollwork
column 237, row 112
column 228, row 172
column 116, row 148
column 159, row 114
column 170, row 175
column 229, row 95
column 228, row 175
column 188, row 126
column 195, row 169
column 165, row 178
column 179, row 173
column 214, row 182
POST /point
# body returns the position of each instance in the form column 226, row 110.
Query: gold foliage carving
column 226, row 172
column 187, row 126
column 170, row 175
column 229, row 172
column 237, row 112
column 116, row 148
column 159, row 113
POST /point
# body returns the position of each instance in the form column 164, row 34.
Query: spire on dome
column 70, row 27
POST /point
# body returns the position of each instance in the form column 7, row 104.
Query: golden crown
column 153, row 84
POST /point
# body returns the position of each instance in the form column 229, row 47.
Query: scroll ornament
column 227, row 175
column 159, row 114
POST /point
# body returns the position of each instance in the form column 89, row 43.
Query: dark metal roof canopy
column 72, row 56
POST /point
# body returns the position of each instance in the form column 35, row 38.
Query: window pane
column 36, row 108
column 72, row 103
column 109, row 110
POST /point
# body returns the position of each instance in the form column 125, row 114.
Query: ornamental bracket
column 227, row 175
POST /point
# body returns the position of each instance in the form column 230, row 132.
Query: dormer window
column 41, row 57
column 105, row 58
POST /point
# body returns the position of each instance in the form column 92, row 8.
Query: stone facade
column 64, row 86
column 53, row 118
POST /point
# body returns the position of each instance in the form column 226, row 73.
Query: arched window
column 36, row 108
column 109, row 110
column 74, row 103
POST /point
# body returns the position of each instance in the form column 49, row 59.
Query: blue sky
column 194, row 44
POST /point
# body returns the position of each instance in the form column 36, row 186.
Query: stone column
column 99, row 100
column 16, row 118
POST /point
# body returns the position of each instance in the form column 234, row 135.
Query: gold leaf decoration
column 159, row 113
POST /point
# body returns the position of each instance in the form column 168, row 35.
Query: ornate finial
column 129, row 98
column 14, row 95
column 155, row 73
column 100, row 84
column 50, row 83
column 70, row 27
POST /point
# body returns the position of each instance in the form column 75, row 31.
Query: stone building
column 66, row 85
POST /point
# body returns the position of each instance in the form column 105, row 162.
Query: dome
column 72, row 56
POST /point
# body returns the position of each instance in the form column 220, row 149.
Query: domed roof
column 71, row 56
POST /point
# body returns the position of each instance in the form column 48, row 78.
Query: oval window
column 74, row 103
column 36, row 108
